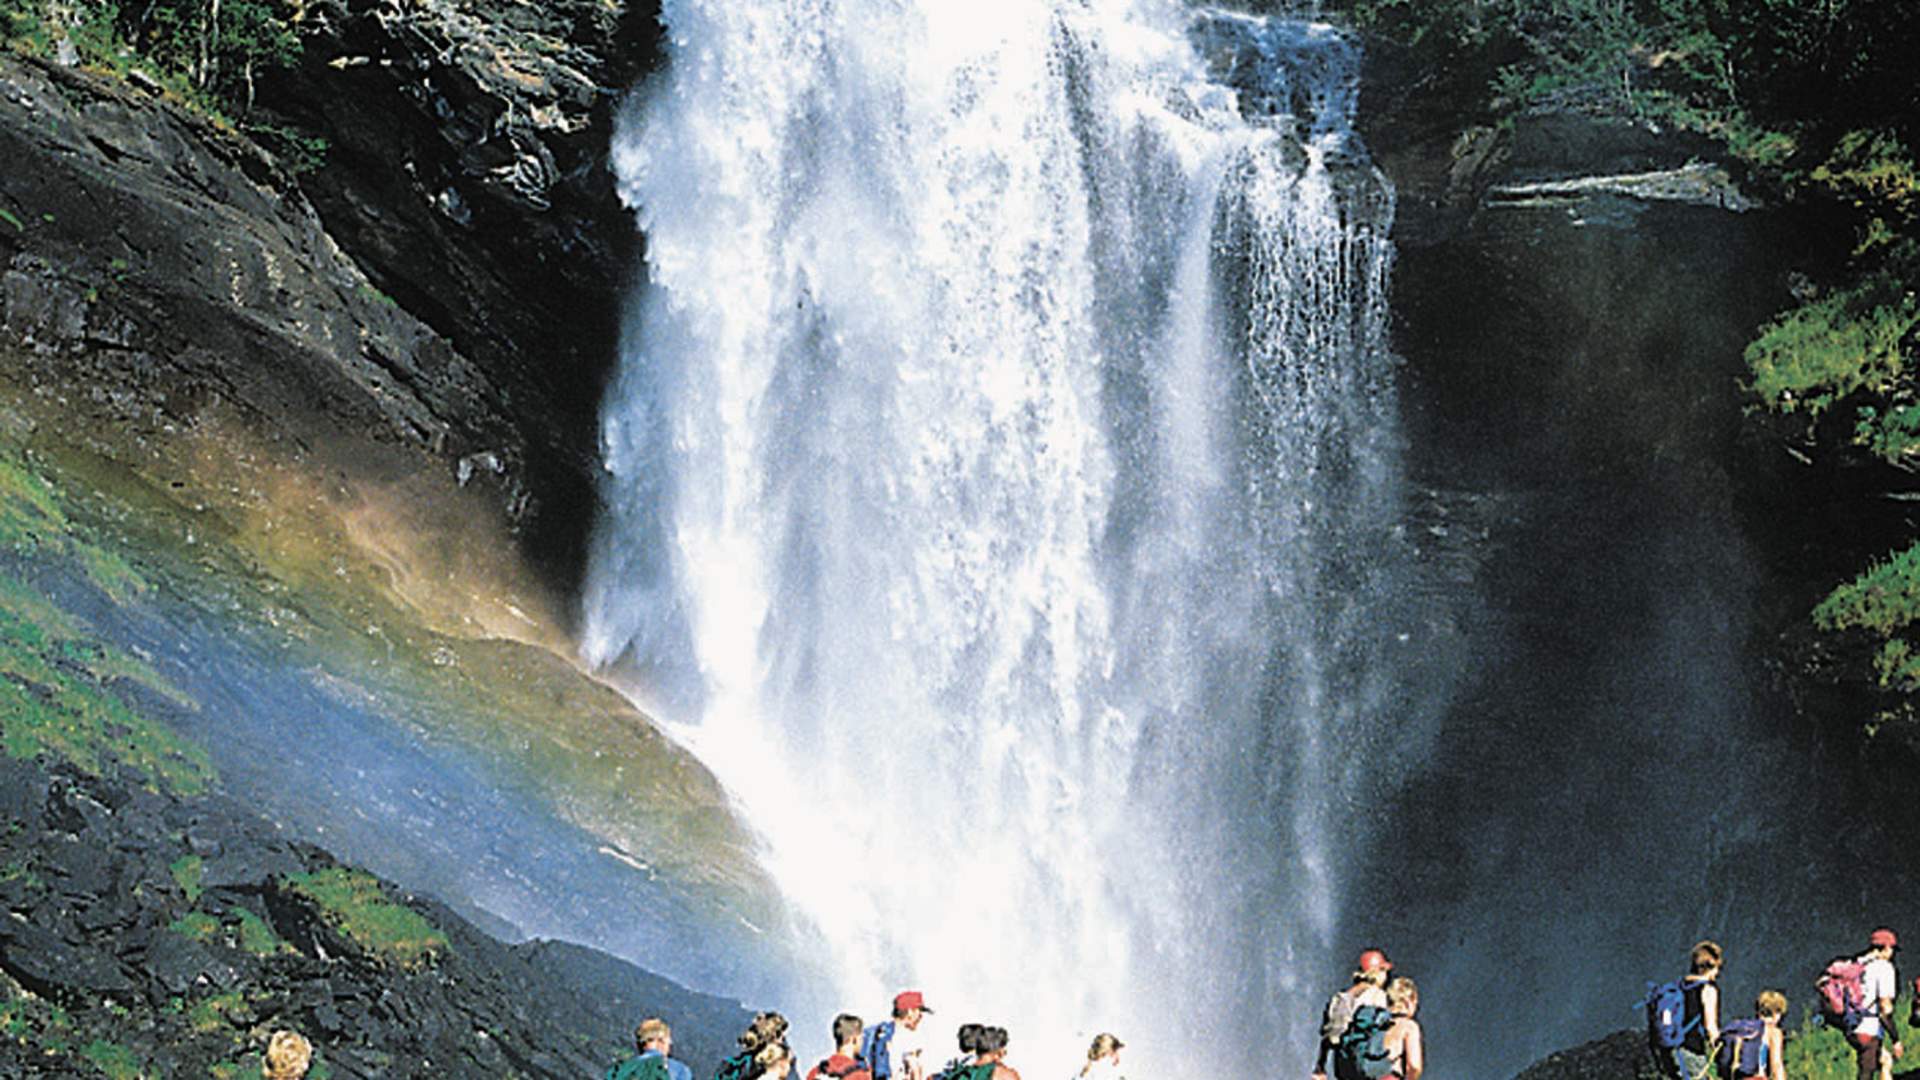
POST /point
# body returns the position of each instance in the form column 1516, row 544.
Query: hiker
column 1753, row 1049
column 1368, row 988
column 1874, row 1054
column 1695, row 1024
column 844, row 1063
column 991, row 1057
column 1406, row 1052
column 287, row 1058
column 774, row 1061
column 969, row 1036
column 892, row 1048
column 766, row 1028
column 654, row 1039
column 1103, row 1058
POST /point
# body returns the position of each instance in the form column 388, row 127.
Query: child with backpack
column 1368, row 992
column 1406, row 1052
column 1753, row 1049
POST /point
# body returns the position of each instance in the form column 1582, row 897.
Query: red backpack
column 1843, row 1001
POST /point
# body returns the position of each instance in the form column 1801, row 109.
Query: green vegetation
column 63, row 692
column 257, row 936
column 206, row 54
column 197, row 925
column 1817, row 1052
column 186, row 872
column 213, row 1013
column 112, row 1059
column 353, row 902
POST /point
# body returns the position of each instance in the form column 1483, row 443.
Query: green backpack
column 1363, row 1048
column 649, row 1067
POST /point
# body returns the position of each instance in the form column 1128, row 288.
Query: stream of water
column 1004, row 496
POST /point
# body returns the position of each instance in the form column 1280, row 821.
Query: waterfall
column 1002, row 496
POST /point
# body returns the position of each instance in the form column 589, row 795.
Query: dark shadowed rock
column 183, row 983
column 1620, row 1056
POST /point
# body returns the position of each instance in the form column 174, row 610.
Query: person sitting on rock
column 844, row 1063
column 288, row 1055
column 654, row 1039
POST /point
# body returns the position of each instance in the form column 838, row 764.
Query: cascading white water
column 1001, row 486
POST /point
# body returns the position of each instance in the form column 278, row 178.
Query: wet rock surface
column 1620, row 1056
column 171, row 933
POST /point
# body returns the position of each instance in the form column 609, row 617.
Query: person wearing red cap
column 1876, row 1042
column 892, row 1048
column 1368, row 989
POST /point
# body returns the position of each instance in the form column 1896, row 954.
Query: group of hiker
column 894, row 1049
column 1855, row 993
column 1367, row 1031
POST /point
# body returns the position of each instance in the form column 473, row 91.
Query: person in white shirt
column 1875, row 1039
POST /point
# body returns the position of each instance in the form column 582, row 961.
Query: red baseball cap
column 1375, row 960
column 1883, row 936
column 909, row 999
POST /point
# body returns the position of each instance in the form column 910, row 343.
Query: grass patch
column 221, row 1010
column 353, row 902
column 186, row 873
column 197, row 925
column 112, row 1059
column 58, row 698
column 257, row 936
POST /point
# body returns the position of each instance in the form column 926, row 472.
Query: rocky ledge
column 149, row 934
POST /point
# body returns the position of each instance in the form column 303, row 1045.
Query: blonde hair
column 651, row 1030
column 1402, row 994
column 288, row 1055
column 1103, row 1044
column 1771, row 1003
column 1705, row 957
column 771, row 1057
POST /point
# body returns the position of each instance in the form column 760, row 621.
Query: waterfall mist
column 1003, row 497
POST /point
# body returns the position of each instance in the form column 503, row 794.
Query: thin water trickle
column 1001, row 481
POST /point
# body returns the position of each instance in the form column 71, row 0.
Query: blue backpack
column 1743, row 1048
column 873, row 1050
column 1363, row 1048
column 1667, row 1023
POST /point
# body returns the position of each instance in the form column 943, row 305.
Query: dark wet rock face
column 134, row 938
column 466, row 170
column 1620, row 1056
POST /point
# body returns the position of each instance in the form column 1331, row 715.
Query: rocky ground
column 150, row 934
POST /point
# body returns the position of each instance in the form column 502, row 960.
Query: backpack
column 873, row 1050
column 982, row 1071
column 1666, row 1005
column 853, row 1066
column 646, row 1067
column 1338, row 1014
column 735, row 1067
column 1843, row 1000
column 1363, row 1046
column 1743, row 1048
